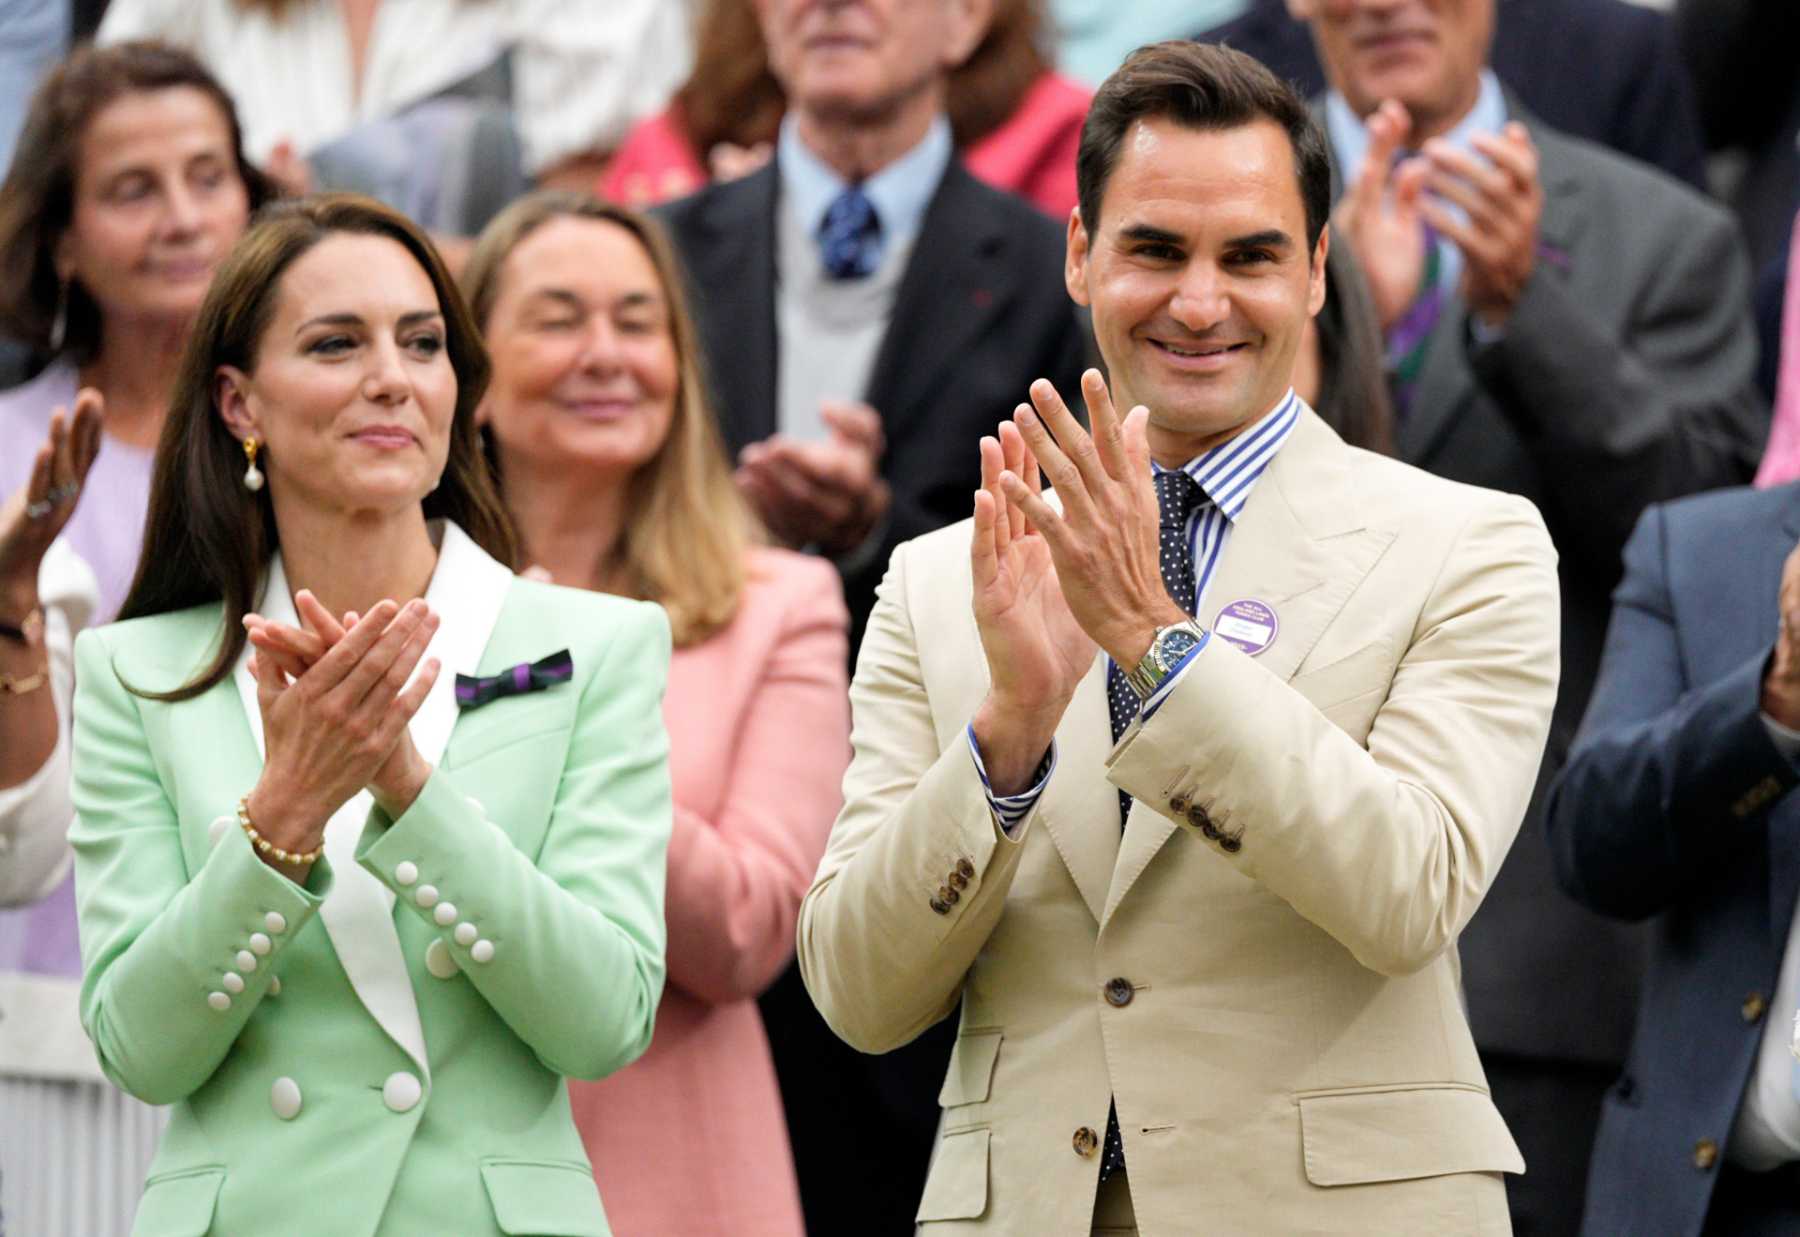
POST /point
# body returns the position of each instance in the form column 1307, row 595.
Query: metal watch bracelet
column 1151, row 670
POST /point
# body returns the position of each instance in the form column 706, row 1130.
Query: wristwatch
column 1167, row 647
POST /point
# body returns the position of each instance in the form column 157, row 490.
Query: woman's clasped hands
column 336, row 701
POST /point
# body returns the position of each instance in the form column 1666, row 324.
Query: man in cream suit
column 1206, row 953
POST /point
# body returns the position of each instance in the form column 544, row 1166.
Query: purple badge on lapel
column 1248, row 625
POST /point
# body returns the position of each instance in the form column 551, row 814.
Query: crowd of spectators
column 817, row 249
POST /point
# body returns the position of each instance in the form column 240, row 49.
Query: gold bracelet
column 24, row 685
column 302, row 858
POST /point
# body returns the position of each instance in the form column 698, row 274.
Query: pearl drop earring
column 253, row 478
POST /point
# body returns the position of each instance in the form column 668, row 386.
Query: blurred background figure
column 1016, row 121
column 1568, row 324
column 129, row 187
column 1605, row 70
column 869, row 309
column 445, row 111
column 1744, row 58
column 611, row 464
column 1094, row 36
column 34, row 34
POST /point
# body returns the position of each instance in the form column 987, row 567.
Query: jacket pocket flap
column 957, row 1186
column 544, row 1199
column 180, row 1204
column 1398, row 1133
column 971, row 1073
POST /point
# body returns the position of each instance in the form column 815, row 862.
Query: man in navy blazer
column 1675, row 805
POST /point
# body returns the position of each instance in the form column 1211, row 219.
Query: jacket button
column 401, row 1091
column 285, row 1098
column 1706, row 1154
column 1086, row 1142
column 1179, row 805
column 940, row 906
column 1119, row 991
column 1231, row 843
column 948, row 896
column 1198, row 818
column 958, row 880
column 1754, row 1007
column 965, row 869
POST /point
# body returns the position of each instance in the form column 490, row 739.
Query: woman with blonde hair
column 612, row 467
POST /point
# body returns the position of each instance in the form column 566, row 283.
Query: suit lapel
column 735, row 285
column 467, row 590
column 1077, row 811
column 1297, row 547
column 956, row 284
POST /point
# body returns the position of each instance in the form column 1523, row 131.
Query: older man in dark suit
column 869, row 311
column 1677, row 806
column 1606, row 70
column 1572, row 326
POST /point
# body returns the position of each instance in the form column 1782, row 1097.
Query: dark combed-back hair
column 1200, row 86
column 207, row 538
column 37, row 199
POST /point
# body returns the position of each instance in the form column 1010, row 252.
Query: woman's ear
column 231, row 396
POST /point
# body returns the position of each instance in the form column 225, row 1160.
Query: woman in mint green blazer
column 356, row 893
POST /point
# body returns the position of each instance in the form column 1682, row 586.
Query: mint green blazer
column 383, row 1050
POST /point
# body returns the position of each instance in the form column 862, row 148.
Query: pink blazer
column 691, row 1138
column 1032, row 154
column 1781, row 458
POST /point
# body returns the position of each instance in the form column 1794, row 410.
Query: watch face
column 1175, row 645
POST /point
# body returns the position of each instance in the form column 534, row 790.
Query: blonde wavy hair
column 688, row 534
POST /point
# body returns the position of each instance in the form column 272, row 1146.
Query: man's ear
column 1075, row 259
column 969, row 22
column 231, row 396
column 1315, row 292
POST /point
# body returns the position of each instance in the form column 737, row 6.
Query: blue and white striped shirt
column 1227, row 474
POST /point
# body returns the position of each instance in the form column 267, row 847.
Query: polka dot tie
column 850, row 236
column 1177, row 495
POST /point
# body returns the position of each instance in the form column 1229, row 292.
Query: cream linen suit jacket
column 1262, row 972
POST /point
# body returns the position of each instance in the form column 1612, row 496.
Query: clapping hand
column 1503, row 202
column 34, row 516
column 1383, row 215
column 830, row 494
column 1781, row 683
column 1105, row 542
column 336, row 701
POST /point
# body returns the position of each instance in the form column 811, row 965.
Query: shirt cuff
column 1785, row 738
column 1010, row 811
column 1155, row 699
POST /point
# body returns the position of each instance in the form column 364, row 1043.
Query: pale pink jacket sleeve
column 735, row 883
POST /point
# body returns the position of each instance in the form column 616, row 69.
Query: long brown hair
column 207, row 538
column 688, row 532
column 1353, row 390
column 37, row 199
column 733, row 96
